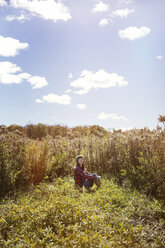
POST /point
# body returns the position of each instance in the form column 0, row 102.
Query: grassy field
column 58, row 215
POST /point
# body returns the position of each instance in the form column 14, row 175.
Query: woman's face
column 80, row 161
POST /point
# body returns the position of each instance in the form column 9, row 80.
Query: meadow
column 39, row 206
column 58, row 215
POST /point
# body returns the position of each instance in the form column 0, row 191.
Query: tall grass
column 136, row 158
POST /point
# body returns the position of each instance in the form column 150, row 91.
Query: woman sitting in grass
column 83, row 179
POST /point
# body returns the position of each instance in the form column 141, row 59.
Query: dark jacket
column 80, row 175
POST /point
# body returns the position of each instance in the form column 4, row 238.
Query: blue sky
column 82, row 62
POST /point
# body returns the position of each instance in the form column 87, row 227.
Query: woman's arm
column 85, row 175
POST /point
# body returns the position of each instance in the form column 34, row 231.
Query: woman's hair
column 81, row 166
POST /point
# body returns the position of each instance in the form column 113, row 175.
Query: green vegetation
column 40, row 207
column 135, row 158
column 58, row 215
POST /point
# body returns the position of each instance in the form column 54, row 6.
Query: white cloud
column 81, row 106
column 159, row 57
column 20, row 18
column 67, row 91
column 3, row 3
column 123, row 12
column 100, row 7
column 99, row 79
column 38, row 101
column 132, row 32
column 38, row 82
column 70, row 75
column 10, row 74
column 10, row 46
column 85, row 73
column 104, row 116
column 124, row 2
column 46, row 9
column 81, row 92
column 53, row 98
column 103, row 22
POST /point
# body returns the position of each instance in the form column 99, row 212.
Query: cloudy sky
column 87, row 62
